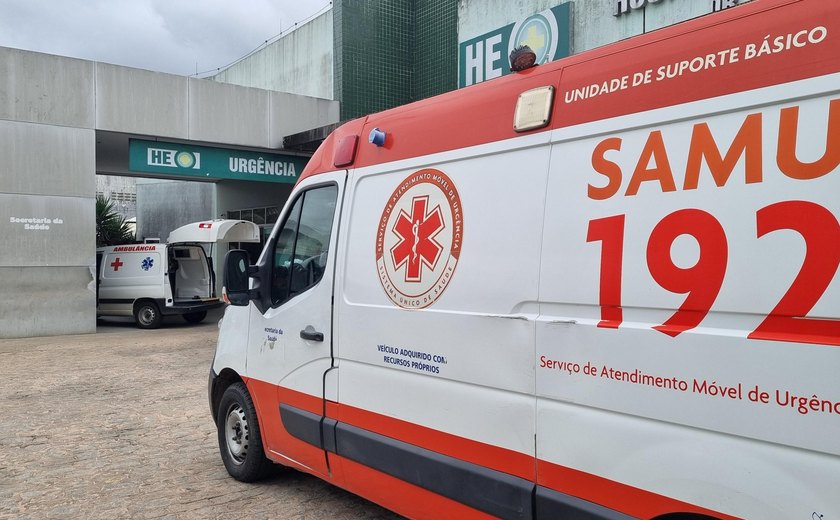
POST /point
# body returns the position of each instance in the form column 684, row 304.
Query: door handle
column 310, row 334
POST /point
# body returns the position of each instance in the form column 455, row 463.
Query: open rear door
column 219, row 230
column 210, row 232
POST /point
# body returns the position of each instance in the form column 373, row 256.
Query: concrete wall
column 58, row 116
column 142, row 102
column 163, row 205
column 151, row 103
column 298, row 63
column 47, row 166
column 291, row 114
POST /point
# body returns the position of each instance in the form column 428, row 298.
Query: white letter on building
column 474, row 61
column 491, row 56
column 620, row 7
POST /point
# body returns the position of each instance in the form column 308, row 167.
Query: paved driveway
column 116, row 425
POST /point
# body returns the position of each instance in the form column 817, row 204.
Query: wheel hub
column 237, row 434
column 147, row 315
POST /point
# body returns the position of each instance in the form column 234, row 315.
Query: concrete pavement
column 116, row 425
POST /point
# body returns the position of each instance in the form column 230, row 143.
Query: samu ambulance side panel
column 660, row 378
column 434, row 354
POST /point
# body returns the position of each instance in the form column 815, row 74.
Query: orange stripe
column 487, row 455
column 595, row 489
column 399, row 496
column 267, row 398
column 615, row 495
column 411, row 500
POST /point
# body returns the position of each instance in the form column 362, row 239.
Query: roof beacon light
column 522, row 58
column 377, row 137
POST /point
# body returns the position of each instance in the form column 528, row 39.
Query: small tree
column 111, row 227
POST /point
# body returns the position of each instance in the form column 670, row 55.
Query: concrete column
column 47, row 188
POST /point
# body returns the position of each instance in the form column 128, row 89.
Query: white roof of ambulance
column 218, row 230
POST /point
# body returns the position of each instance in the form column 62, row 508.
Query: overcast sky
column 174, row 36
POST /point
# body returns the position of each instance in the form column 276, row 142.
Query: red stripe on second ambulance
column 392, row 493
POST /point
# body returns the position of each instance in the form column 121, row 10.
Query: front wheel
column 240, row 442
column 147, row 315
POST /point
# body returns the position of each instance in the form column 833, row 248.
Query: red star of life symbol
column 417, row 245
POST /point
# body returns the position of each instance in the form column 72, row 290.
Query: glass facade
column 391, row 52
column 436, row 47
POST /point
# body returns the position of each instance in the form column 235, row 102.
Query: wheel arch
column 140, row 301
column 225, row 378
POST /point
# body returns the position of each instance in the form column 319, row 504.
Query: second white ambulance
column 150, row 281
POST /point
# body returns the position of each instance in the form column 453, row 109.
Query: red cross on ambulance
column 417, row 245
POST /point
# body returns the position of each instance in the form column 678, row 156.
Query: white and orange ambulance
column 604, row 287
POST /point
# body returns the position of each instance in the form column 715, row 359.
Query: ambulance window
column 300, row 252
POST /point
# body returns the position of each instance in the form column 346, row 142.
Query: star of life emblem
column 419, row 239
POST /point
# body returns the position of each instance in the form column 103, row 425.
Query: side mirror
column 236, row 277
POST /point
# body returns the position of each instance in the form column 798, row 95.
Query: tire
column 147, row 315
column 194, row 317
column 240, row 441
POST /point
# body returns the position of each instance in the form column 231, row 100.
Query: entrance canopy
column 170, row 159
column 218, row 230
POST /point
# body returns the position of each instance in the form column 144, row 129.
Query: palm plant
column 111, row 227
